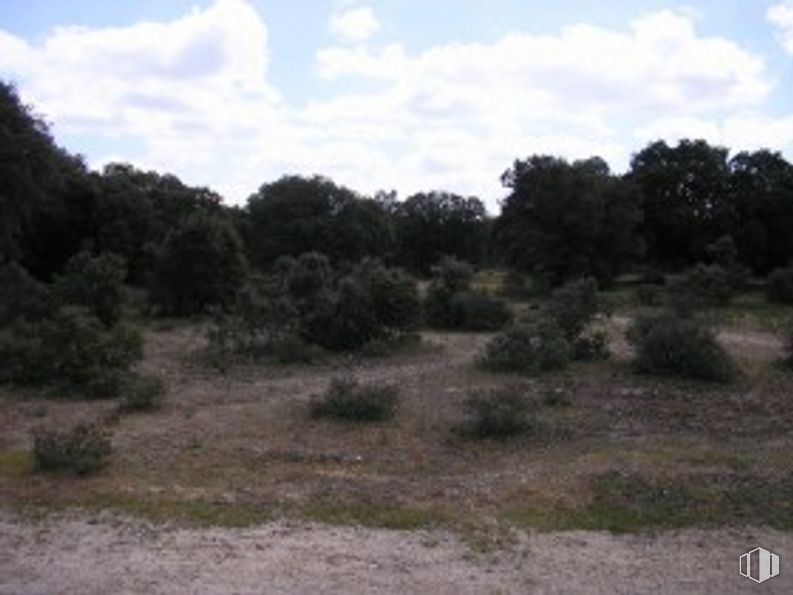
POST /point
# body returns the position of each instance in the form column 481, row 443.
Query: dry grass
column 240, row 448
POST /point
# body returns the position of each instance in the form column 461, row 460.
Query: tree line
column 559, row 219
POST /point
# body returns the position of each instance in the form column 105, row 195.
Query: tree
column 29, row 169
column 686, row 199
column 762, row 190
column 201, row 264
column 296, row 215
column 436, row 224
column 564, row 220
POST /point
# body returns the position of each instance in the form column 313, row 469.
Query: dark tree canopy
column 436, row 224
column 565, row 220
column 686, row 199
column 295, row 215
column 762, row 192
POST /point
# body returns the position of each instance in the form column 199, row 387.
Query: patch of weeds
column 194, row 513
column 348, row 400
column 396, row 518
column 16, row 464
column 142, row 393
column 556, row 397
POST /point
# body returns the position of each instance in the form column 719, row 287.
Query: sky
column 396, row 94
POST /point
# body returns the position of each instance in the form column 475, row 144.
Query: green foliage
column 82, row 449
column 787, row 353
column 562, row 221
column 670, row 345
column 142, row 393
column 710, row 283
column 591, row 346
column 528, row 349
column 296, row 215
column 649, row 295
column 201, row 264
column 347, row 400
column 780, row 286
column 95, row 282
column 500, row 413
column 450, row 303
column 574, row 306
column 22, row 296
column 432, row 225
column 73, row 348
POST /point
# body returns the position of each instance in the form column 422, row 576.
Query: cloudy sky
column 401, row 94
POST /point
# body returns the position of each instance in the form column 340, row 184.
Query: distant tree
column 563, row 221
column 432, row 225
column 138, row 209
column 686, row 199
column 762, row 190
column 201, row 264
column 296, row 215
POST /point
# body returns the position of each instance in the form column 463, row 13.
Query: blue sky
column 388, row 94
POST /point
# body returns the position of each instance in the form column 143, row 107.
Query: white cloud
column 192, row 96
column 354, row 24
column 781, row 15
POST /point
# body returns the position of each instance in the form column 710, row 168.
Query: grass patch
column 192, row 513
column 16, row 464
column 753, row 311
column 395, row 518
column 629, row 502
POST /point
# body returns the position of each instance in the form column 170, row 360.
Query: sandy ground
column 106, row 555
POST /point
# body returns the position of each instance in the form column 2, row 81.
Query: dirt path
column 108, row 555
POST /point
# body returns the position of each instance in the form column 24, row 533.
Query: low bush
column 649, row 295
column 348, row 400
column 780, row 286
column 477, row 311
column 291, row 349
column 668, row 344
column 82, row 449
column 574, row 306
column 96, row 283
column 711, row 283
column 499, row 413
column 72, row 348
column 142, row 393
column 787, row 353
column 527, row 349
column 22, row 296
column 593, row 346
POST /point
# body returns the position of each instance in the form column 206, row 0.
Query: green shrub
column 394, row 295
column 787, row 353
column 574, row 306
column 22, row 296
column 477, row 311
column 499, row 413
column 73, row 348
column 591, row 346
column 780, row 286
column 649, row 295
column 668, row 344
column 201, row 264
column 291, row 349
column 95, row 282
column 142, row 393
column 652, row 276
column 711, row 283
column 83, row 449
column 527, row 349
column 347, row 400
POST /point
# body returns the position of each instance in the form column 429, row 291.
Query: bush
column 95, row 282
column 73, row 347
column 528, row 349
column 393, row 294
column 652, row 276
column 787, row 357
column 649, row 295
column 21, row 296
column 670, row 345
column 591, row 347
column 347, row 400
column 780, row 286
column 291, row 349
column 476, row 311
column 711, row 283
column 83, row 449
column 499, row 413
column 142, row 393
column 573, row 307
column 201, row 264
